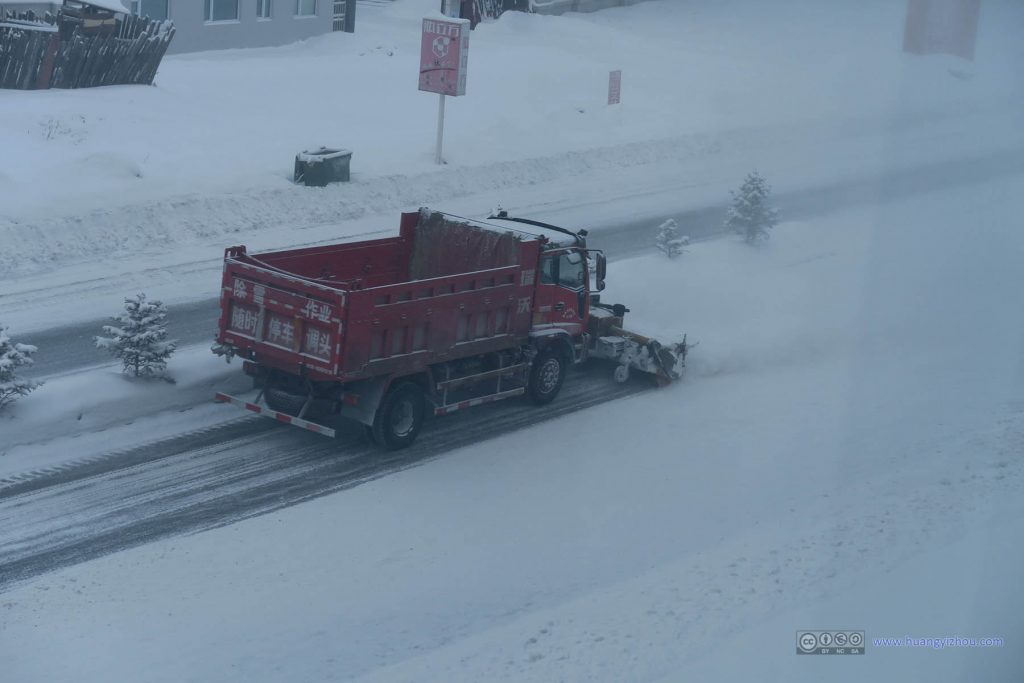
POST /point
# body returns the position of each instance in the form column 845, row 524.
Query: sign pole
column 444, row 55
column 440, row 129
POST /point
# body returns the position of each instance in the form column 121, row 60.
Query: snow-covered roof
column 29, row 26
column 112, row 5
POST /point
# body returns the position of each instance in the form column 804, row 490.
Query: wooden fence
column 62, row 52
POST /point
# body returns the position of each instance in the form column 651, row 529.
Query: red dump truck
column 450, row 314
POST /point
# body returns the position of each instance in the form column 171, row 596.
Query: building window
column 263, row 9
column 154, row 9
column 221, row 10
column 305, row 8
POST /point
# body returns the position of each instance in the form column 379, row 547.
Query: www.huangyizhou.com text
column 938, row 643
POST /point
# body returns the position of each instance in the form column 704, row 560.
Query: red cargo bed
column 443, row 289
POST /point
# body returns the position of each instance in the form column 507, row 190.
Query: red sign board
column 614, row 87
column 444, row 56
column 949, row 26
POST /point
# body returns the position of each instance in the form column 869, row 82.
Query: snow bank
column 208, row 153
column 46, row 428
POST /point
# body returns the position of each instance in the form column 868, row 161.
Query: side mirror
column 602, row 270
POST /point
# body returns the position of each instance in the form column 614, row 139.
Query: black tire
column 547, row 374
column 283, row 402
column 399, row 417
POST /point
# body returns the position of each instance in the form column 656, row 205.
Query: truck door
column 562, row 291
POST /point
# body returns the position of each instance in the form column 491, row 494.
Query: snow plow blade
column 634, row 351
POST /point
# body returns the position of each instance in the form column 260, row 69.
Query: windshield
column 571, row 270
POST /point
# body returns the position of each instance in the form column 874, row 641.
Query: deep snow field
column 844, row 452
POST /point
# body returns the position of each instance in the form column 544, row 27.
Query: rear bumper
column 274, row 415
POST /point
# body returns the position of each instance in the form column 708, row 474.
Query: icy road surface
column 220, row 475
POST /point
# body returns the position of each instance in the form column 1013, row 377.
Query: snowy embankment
column 92, row 413
column 92, row 180
column 845, row 452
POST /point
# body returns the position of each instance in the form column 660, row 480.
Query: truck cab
column 563, row 297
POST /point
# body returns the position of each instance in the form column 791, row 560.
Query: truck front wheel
column 399, row 417
column 546, row 376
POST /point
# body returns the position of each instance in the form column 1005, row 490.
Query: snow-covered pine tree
column 750, row 216
column 139, row 337
column 669, row 241
column 12, row 357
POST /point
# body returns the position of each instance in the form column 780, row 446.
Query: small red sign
column 614, row 87
column 444, row 56
column 949, row 26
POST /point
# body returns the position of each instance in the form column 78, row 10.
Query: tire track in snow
column 218, row 476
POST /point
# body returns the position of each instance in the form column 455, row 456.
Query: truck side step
column 274, row 414
column 447, row 384
column 462, row 405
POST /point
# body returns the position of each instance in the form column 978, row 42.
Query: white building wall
column 194, row 34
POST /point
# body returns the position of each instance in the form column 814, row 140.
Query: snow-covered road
column 219, row 475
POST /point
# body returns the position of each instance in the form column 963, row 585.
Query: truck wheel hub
column 549, row 374
column 403, row 418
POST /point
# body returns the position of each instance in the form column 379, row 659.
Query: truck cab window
column 547, row 270
column 572, row 270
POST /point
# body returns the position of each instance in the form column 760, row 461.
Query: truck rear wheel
column 399, row 417
column 280, row 396
column 547, row 374
column 283, row 401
